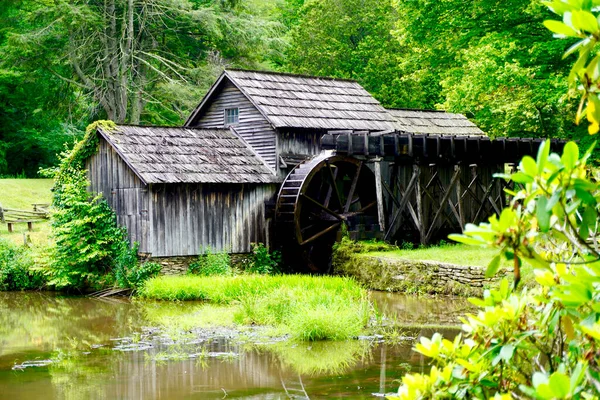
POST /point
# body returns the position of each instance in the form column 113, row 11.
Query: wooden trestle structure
column 431, row 185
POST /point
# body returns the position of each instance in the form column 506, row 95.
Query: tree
column 347, row 39
column 491, row 60
column 121, row 51
column 67, row 62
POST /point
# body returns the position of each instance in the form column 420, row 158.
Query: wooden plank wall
column 253, row 127
column 300, row 142
column 123, row 190
column 186, row 219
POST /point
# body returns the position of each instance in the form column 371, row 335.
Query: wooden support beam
column 482, row 206
column 379, row 190
column 420, row 227
column 443, row 203
column 353, row 188
column 459, row 199
column 401, row 205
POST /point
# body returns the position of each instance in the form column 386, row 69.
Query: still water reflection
column 55, row 347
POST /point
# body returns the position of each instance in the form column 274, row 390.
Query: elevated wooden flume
column 393, row 186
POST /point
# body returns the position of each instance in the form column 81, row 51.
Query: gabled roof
column 297, row 101
column 434, row 122
column 185, row 155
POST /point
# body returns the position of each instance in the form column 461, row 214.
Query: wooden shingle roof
column 434, row 122
column 297, row 101
column 185, row 155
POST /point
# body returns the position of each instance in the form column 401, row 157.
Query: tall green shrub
column 89, row 242
column 16, row 271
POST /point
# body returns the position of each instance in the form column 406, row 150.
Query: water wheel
column 317, row 199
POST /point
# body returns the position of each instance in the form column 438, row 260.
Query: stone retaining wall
column 179, row 265
column 410, row 276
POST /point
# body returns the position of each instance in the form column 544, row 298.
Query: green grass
column 452, row 254
column 21, row 194
column 306, row 307
column 459, row 254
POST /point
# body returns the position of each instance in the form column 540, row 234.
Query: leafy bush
column 211, row 263
column 89, row 242
column 129, row 273
column 262, row 261
column 16, row 271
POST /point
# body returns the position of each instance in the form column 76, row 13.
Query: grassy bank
column 21, row 194
column 426, row 270
column 458, row 254
column 451, row 253
column 305, row 307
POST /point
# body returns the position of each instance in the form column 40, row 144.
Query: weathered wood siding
column 123, row 190
column 253, row 127
column 187, row 219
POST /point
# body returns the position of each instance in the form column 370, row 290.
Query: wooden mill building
column 215, row 181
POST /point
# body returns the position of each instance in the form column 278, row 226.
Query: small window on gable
column 232, row 116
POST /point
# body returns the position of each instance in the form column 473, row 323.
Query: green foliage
column 89, row 244
column 262, row 261
column 129, row 273
column 306, row 307
column 348, row 39
column 491, row 60
column 539, row 343
column 16, row 271
column 211, row 263
column 579, row 21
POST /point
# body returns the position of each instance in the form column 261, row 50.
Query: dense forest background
column 65, row 63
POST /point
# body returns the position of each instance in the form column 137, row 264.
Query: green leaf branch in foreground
column 551, row 217
column 544, row 342
column 580, row 21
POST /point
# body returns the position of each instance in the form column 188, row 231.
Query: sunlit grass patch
column 451, row 253
column 306, row 307
column 459, row 254
column 21, row 194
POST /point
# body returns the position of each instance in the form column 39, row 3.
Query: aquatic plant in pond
column 306, row 307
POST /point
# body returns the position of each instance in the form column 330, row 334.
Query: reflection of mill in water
column 294, row 389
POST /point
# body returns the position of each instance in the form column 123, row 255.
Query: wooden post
column 417, row 169
column 379, row 190
column 10, row 227
column 459, row 199
column 30, row 226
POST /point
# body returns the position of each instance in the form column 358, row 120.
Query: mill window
column 232, row 116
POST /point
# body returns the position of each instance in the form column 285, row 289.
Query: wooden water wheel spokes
column 317, row 198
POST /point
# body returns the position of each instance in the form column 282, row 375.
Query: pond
column 57, row 347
